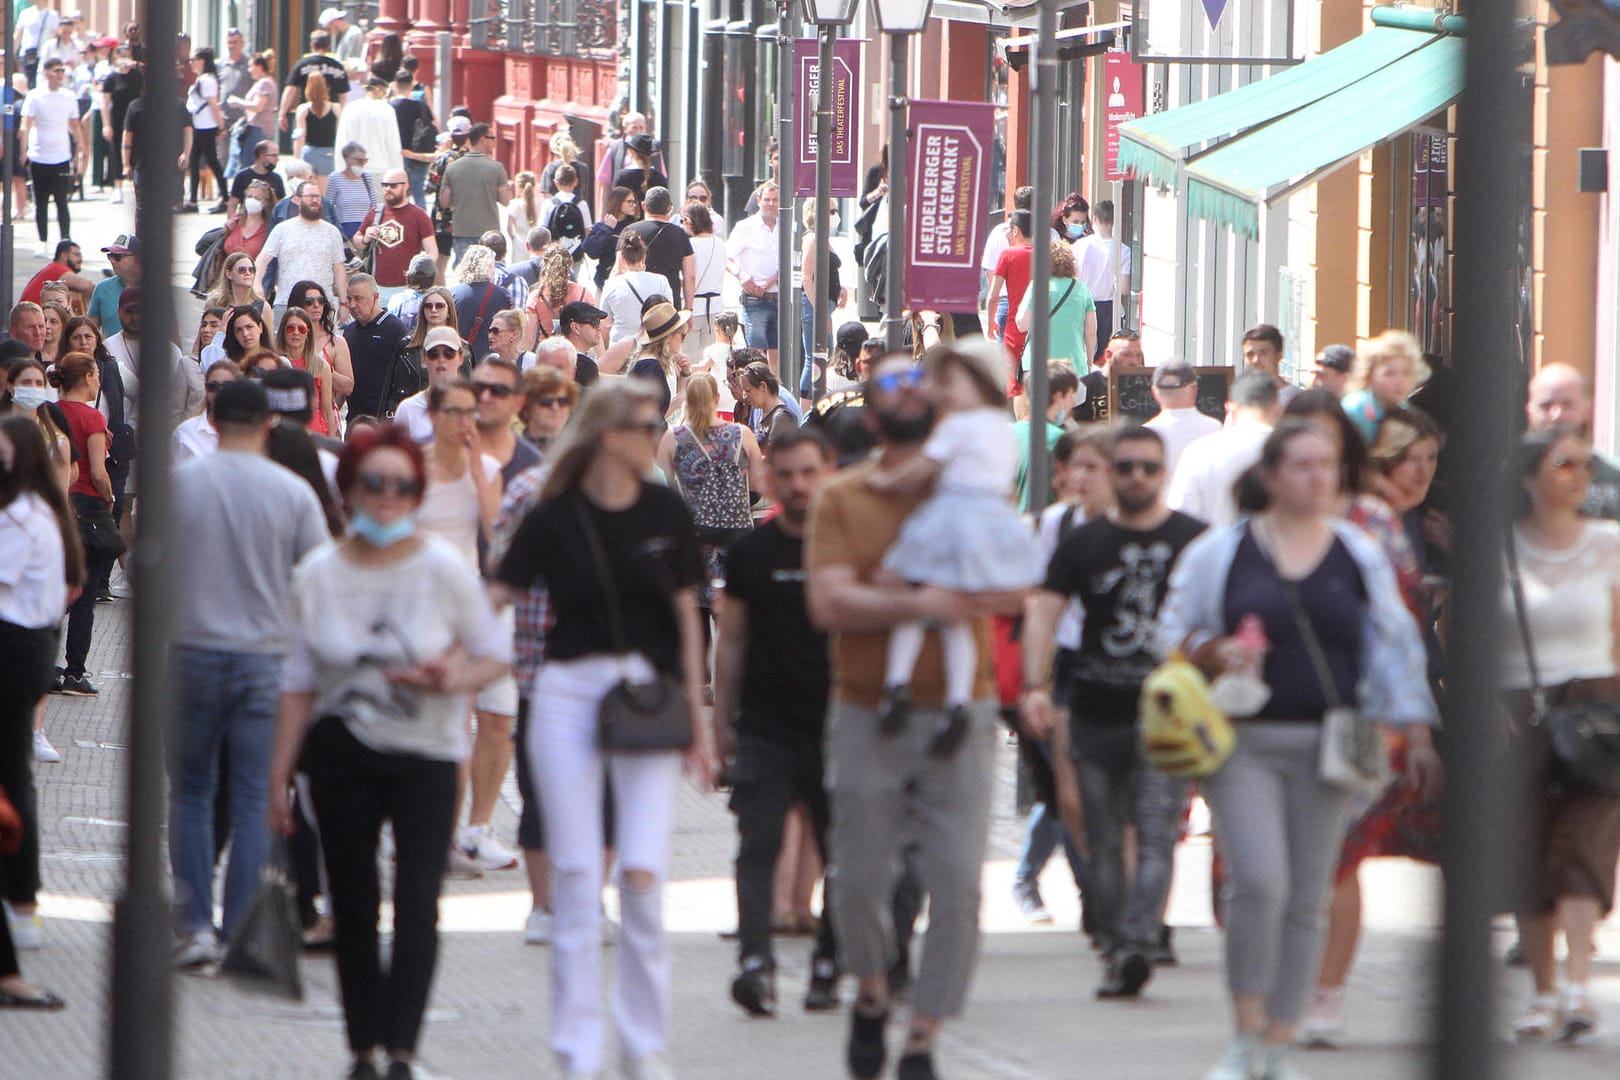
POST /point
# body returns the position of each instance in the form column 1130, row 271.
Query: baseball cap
column 458, row 125
column 242, row 401
column 330, row 16
column 289, row 392
column 439, row 337
column 578, row 311
column 130, row 296
column 1177, row 373
column 125, row 244
column 1337, row 357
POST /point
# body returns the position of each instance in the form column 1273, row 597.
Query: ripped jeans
column 567, row 765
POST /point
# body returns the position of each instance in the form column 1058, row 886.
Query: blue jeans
column 228, row 698
column 807, row 332
column 241, row 149
column 1045, row 831
column 459, row 246
column 416, row 172
column 759, row 321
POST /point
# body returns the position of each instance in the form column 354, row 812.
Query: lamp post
column 1043, row 119
column 898, row 19
column 827, row 16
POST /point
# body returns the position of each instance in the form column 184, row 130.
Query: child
column 1387, row 369
column 967, row 536
column 717, row 357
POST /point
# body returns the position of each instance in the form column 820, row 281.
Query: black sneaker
column 1165, row 954
column 918, row 1066
column 78, row 686
column 56, row 681
column 1127, row 973
column 823, row 992
column 894, row 710
column 364, row 1070
column 950, row 734
column 754, row 989
column 220, row 207
column 191, row 208
column 400, row 1070
column 105, row 596
column 1515, row 955
column 867, row 1055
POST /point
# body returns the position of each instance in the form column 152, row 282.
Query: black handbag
column 1584, row 735
column 263, row 952
column 636, row 715
column 98, row 529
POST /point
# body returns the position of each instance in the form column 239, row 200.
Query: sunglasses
column 1581, row 464
column 500, row 391
column 213, row 387
column 312, row 301
column 649, row 428
column 438, row 305
column 243, row 267
column 550, row 402
column 898, row 380
column 396, row 183
column 1170, row 384
column 378, row 484
column 443, row 352
column 457, row 412
column 1147, row 468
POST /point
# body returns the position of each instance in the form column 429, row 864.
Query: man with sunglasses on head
column 441, row 355
column 1179, row 423
column 1117, row 565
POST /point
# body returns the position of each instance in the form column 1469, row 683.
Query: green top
column 1021, row 433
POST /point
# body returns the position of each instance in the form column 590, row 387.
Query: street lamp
column 828, row 16
column 897, row 19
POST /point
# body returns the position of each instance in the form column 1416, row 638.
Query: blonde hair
column 611, row 403
column 556, row 266
column 525, row 185
column 1388, row 346
column 564, row 148
column 702, row 401
column 978, row 359
column 477, row 265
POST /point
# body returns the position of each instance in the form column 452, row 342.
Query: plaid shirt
column 533, row 606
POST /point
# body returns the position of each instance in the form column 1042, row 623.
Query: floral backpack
column 711, row 477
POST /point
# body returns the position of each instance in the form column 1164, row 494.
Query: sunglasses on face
column 458, row 412
column 1147, row 468
column 395, row 183
column 898, row 380
column 244, row 268
column 551, row 402
column 500, row 391
column 312, row 301
column 437, row 305
column 213, row 387
column 1580, row 464
column 378, row 484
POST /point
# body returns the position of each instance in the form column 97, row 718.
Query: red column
column 431, row 17
column 460, row 19
column 393, row 17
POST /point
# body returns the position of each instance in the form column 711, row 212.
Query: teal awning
column 1155, row 145
column 1230, row 183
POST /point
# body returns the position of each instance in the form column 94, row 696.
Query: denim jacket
column 1394, row 687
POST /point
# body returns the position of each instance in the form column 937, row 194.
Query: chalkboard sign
column 1130, row 392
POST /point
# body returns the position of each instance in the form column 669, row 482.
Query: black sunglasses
column 1148, row 468
column 499, row 390
column 214, row 387
column 377, row 484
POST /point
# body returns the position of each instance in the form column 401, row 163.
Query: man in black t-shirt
column 669, row 249
column 1118, row 567
column 317, row 61
column 133, row 120
column 263, row 167
column 770, row 705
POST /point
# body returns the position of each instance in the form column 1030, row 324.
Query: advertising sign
column 948, row 173
column 846, row 102
column 1127, row 97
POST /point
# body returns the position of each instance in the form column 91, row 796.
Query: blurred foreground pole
column 141, row 1046
column 1489, row 128
column 1043, row 119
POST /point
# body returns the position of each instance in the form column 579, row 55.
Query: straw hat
column 660, row 321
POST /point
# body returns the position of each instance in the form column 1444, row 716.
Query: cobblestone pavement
column 1031, row 1017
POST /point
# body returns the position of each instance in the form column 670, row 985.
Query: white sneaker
column 27, row 931
column 537, row 931
column 1275, row 1064
column 118, row 195
column 198, row 949
column 1240, row 1062
column 1324, row 1024
column 1575, row 1009
column 42, row 252
column 460, row 866
column 480, row 845
column 44, row 752
column 1539, row 1021
column 648, row 1067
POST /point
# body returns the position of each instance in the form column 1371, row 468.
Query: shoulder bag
column 636, row 716
column 1353, row 756
column 1585, row 735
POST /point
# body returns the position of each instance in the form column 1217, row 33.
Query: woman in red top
column 248, row 231
column 77, row 379
column 295, row 341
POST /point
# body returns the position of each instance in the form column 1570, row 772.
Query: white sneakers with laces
column 537, row 930
column 1324, row 1024
column 44, row 752
column 478, row 843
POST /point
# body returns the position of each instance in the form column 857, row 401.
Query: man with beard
column 64, row 267
column 399, row 230
column 770, row 701
column 1117, row 565
column 881, row 787
column 307, row 248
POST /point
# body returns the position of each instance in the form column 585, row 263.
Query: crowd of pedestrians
column 481, row 470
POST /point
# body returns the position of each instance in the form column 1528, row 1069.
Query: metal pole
column 894, row 279
column 141, row 1043
column 825, row 81
column 8, row 169
column 1043, row 120
column 1474, row 811
column 787, row 150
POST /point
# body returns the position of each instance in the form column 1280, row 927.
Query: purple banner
column 948, row 177
column 846, row 98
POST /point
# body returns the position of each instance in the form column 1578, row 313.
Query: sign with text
column 846, row 105
column 1127, row 100
column 948, row 180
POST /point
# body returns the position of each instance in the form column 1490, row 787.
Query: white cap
column 330, row 16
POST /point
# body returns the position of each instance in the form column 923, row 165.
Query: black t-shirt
column 246, row 176
column 337, row 77
column 1120, row 577
column 407, row 111
column 1334, row 597
column 373, row 347
column 650, row 369
column 652, row 552
column 137, row 108
column 785, row 678
column 640, row 180
column 667, row 249
column 585, row 370
column 125, row 88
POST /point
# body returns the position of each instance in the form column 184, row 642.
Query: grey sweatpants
column 1280, row 829
column 887, row 793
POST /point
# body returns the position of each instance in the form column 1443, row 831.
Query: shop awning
column 1228, row 185
column 1154, row 146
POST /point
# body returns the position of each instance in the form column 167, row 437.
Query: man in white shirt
column 752, row 258
column 1210, row 466
column 308, row 248
column 198, row 437
column 441, row 355
column 1103, row 264
column 370, row 121
column 1179, row 423
column 53, row 145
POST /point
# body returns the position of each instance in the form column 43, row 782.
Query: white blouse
column 1569, row 603
column 33, row 585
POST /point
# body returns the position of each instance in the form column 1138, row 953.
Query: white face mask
column 253, row 206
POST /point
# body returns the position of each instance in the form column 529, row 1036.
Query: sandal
column 43, row 1000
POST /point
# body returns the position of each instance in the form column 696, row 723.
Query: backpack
column 424, row 132
column 568, row 224
column 714, row 484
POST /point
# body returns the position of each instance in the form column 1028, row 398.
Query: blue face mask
column 29, row 398
column 1076, row 230
column 377, row 534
